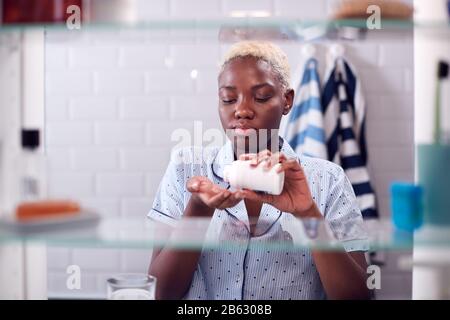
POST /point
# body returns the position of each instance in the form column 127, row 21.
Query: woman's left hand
column 296, row 197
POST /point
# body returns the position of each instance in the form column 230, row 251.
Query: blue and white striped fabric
column 304, row 130
column 344, row 123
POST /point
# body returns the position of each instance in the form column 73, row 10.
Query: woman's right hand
column 206, row 193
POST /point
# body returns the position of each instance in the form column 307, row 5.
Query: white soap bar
column 240, row 174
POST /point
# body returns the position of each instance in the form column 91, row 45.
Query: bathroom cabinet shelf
column 269, row 28
column 192, row 234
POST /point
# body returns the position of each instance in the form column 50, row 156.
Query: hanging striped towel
column 344, row 122
column 304, row 130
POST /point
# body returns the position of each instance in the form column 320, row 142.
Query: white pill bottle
column 240, row 174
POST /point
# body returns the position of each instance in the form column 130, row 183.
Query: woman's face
column 251, row 98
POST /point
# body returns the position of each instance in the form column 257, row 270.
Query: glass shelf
column 197, row 233
column 238, row 22
column 232, row 29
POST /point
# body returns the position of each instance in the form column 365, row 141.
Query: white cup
column 131, row 287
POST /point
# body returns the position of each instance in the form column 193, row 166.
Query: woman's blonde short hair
column 263, row 50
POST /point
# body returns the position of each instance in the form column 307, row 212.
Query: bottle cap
column 30, row 138
column 442, row 70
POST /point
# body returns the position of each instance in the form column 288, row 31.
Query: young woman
column 254, row 94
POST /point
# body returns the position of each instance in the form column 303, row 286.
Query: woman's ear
column 289, row 101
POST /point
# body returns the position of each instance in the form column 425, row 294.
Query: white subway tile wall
column 114, row 98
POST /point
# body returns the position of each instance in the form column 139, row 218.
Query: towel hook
column 336, row 50
column 308, row 50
